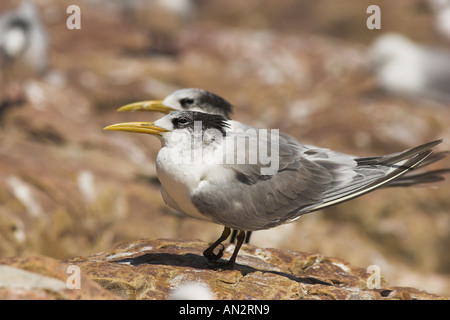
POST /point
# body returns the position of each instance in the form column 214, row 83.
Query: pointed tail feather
column 394, row 158
column 414, row 178
column 436, row 156
column 411, row 178
column 419, row 179
column 400, row 163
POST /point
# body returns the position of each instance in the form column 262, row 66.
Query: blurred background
column 311, row 68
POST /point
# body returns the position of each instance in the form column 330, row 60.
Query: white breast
column 179, row 180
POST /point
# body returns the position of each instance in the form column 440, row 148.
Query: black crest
column 186, row 119
column 215, row 104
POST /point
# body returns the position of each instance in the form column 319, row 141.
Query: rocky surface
column 67, row 188
column 156, row 269
column 44, row 278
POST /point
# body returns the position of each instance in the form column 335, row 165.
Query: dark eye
column 178, row 121
column 186, row 102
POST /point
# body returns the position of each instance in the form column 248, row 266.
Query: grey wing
column 248, row 200
column 283, row 137
column 308, row 179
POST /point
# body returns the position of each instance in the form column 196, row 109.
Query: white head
column 185, row 100
column 193, row 99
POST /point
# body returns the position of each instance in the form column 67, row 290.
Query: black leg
column 234, row 234
column 240, row 240
column 209, row 253
column 247, row 237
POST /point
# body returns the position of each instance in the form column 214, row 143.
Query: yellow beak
column 155, row 105
column 140, row 127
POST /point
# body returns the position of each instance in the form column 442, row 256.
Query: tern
column 23, row 43
column 407, row 69
column 195, row 99
column 201, row 177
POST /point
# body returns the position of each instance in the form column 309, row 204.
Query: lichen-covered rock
column 156, row 269
column 44, row 278
column 153, row 269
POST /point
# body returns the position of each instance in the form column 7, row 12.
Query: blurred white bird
column 407, row 69
column 23, row 52
column 23, row 43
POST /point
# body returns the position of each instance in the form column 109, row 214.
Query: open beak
column 156, row 105
column 140, row 127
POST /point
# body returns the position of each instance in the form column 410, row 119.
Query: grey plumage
column 307, row 180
